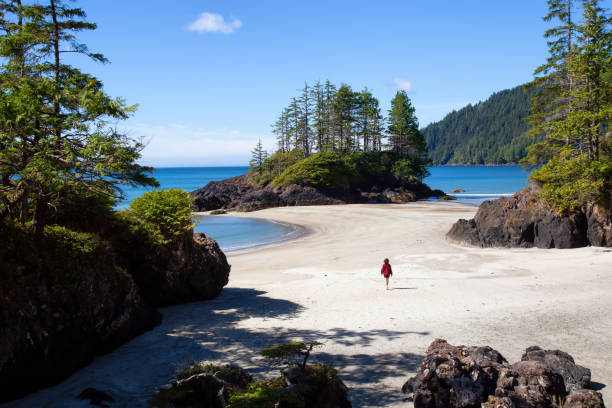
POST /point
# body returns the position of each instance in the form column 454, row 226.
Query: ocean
column 233, row 233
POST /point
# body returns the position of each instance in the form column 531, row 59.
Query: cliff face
column 522, row 221
column 59, row 307
column 239, row 194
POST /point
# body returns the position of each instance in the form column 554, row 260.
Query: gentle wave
column 475, row 195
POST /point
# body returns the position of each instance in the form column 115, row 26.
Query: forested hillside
column 490, row 132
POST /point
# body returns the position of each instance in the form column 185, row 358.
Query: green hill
column 490, row 132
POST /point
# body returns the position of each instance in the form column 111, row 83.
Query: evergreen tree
column 305, row 109
column 53, row 117
column 319, row 115
column 403, row 128
column 344, row 118
column 579, row 166
column 329, row 95
column 370, row 121
column 554, row 83
column 258, row 157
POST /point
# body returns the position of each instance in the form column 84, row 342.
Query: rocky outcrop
column 316, row 386
column 64, row 301
column 205, row 385
column 201, row 385
column 471, row 377
column 190, row 270
column 240, row 194
column 52, row 327
column 523, row 221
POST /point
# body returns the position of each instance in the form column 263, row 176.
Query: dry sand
column 327, row 286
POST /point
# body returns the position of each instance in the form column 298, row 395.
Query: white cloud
column 402, row 84
column 183, row 145
column 214, row 23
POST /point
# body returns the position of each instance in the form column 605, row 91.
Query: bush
column 165, row 214
column 323, row 170
column 275, row 165
column 569, row 182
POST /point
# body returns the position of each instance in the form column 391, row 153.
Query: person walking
column 386, row 272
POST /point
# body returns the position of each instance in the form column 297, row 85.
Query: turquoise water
column 479, row 182
column 233, row 233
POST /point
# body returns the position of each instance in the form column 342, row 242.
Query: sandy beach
column 326, row 286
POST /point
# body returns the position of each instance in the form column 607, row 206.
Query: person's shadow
column 402, row 288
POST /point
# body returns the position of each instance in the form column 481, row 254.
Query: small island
column 332, row 149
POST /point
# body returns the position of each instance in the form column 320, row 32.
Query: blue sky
column 211, row 76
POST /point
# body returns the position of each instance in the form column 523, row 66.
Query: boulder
column 202, row 385
column 523, row 221
column 574, row 376
column 316, row 386
column 192, row 269
column 461, row 376
column 451, row 376
column 584, row 399
column 531, row 384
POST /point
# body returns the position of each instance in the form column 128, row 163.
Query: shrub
column 165, row 214
column 325, row 170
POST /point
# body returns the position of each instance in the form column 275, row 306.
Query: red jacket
column 386, row 270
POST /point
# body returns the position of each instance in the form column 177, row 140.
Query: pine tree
column 554, row 83
column 305, row 109
column 578, row 169
column 53, row 116
column 258, row 157
column 403, row 129
column 344, row 120
column 370, row 121
column 319, row 114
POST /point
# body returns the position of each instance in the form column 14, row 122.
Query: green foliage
column 324, row 170
column 573, row 109
column 490, row 132
column 569, row 182
column 275, row 165
column 410, row 168
column 259, row 156
column 260, row 394
column 298, row 351
column 404, row 134
column 166, row 214
column 55, row 141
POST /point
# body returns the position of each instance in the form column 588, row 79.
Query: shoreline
column 326, row 286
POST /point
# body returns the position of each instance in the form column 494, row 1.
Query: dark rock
column 463, row 376
column 574, row 376
column 52, row 328
column 192, row 269
column 240, row 194
column 531, row 383
column 599, row 220
column 584, row 399
column 218, row 212
column 522, row 221
column 317, row 386
column 447, row 198
column 452, row 376
column 202, row 385
column 95, row 397
column 457, row 190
